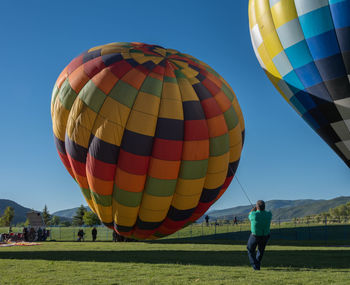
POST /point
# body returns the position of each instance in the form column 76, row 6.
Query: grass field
column 170, row 263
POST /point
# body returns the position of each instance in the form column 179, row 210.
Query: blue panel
column 294, row 100
column 344, row 38
column 299, row 54
column 305, row 99
column 323, row 45
column 309, row 75
column 341, row 14
column 293, row 82
column 316, row 22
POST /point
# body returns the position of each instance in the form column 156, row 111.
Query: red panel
column 142, row 69
column 159, row 70
column 211, row 108
column 99, row 169
column 120, row 68
column 77, row 166
column 133, row 163
column 196, row 130
column 66, row 163
column 211, row 86
column 167, row 149
column 75, row 63
column 94, row 66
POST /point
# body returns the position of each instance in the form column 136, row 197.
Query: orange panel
column 163, row 169
column 195, row 150
column 105, row 80
column 100, row 186
column 223, row 101
column 217, row 126
column 62, row 77
column 78, row 78
column 130, row 182
column 135, row 78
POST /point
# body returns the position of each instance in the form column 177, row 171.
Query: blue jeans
column 253, row 242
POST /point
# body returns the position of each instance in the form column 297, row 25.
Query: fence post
column 191, row 230
column 202, row 229
column 215, row 227
column 325, row 229
column 295, row 228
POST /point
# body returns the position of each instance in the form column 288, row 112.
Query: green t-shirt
column 260, row 222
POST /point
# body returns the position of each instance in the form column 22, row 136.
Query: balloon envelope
column 304, row 48
column 152, row 136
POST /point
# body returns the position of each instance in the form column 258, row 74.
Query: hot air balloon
column 152, row 136
column 304, row 48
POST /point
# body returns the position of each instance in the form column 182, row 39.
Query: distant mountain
column 282, row 209
column 68, row 213
column 20, row 211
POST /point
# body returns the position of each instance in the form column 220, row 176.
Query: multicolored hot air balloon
column 304, row 48
column 152, row 136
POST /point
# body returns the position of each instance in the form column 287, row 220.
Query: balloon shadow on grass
column 303, row 259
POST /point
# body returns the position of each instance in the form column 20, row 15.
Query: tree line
column 81, row 217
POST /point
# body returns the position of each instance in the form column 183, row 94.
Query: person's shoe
column 256, row 267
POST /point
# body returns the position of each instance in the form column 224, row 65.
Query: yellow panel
column 189, row 186
column 142, row 123
column 155, row 203
column 267, row 28
column 273, row 44
column 104, row 213
column 82, row 114
column 267, row 61
column 235, row 136
column 78, row 133
column 59, row 120
column 185, row 202
column 251, row 14
column 147, row 103
column 283, row 12
column 152, row 216
column 189, row 72
column 123, row 215
column 108, row 131
column 91, row 205
column 218, row 163
column 193, row 80
column 215, row 180
column 235, row 152
column 171, row 109
column 113, row 49
column 275, row 81
column 187, row 91
column 170, row 91
column 115, row 111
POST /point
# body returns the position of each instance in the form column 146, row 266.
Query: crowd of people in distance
column 116, row 236
column 27, row 235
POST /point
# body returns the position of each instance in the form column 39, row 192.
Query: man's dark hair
column 261, row 205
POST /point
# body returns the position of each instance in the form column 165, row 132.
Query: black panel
column 232, row 168
column 109, row 59
column 60, row 145
column 170, row 129
column 137, row 143
column 76, row 151
column 147, row 225
column 208, row 195
column 91, row 55
column 103, row 151
column 339, row 88
column 180, row 215
column 202, row 92
column 193, row 110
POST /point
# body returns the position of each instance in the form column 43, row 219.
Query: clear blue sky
column 282, row 159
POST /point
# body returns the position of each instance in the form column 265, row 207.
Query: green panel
column 67, row 95
column 103, row 200
column 193, row 169
column 152, row 85
column 179, row 74
column 219, row 145
column 126, row 198
column 54, row 94
column 160, row 187
column 212, row 71
column 92, row 96
column 124, row 93
column 231, row 118
column 86, row 193
column 170, row 79
column 227, row 92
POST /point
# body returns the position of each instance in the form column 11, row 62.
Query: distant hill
column 20, row 211
column 68, row 213
column 282, row 209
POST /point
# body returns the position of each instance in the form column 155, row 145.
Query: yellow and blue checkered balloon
column 304, row 48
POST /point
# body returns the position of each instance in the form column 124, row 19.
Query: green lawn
column 165, row 263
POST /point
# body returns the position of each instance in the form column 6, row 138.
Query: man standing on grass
column 260, row 221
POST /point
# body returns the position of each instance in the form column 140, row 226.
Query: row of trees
column 82, row 217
